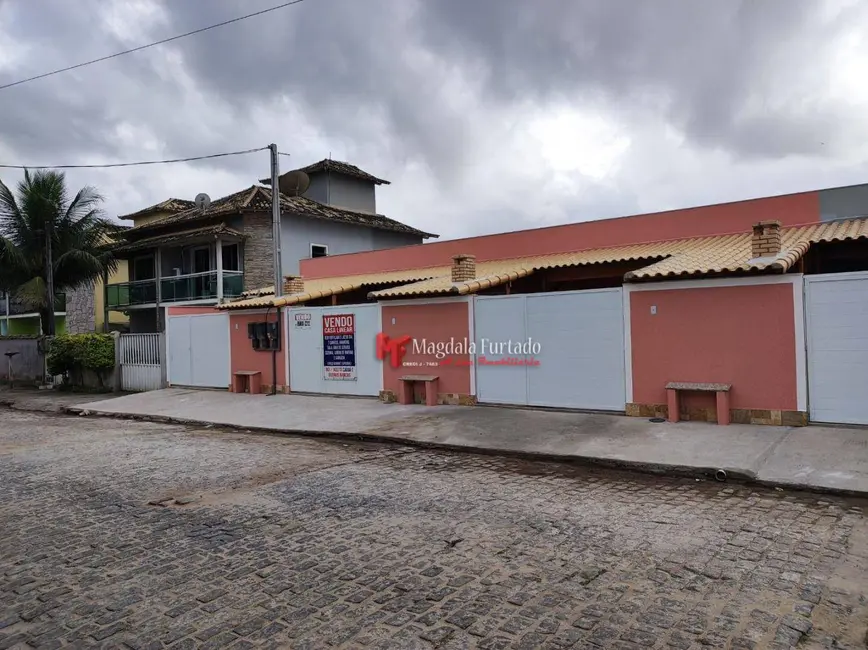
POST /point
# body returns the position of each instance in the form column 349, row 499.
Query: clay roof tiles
column 258, row 199
column 169, row 205
column 683, row 258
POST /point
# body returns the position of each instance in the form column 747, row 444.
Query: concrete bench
column 247, row 381
column 675, row 388
column 408, row 384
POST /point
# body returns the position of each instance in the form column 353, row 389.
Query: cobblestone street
column 142, row 535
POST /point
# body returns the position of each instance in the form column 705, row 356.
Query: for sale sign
column 339, row 346
column 302, row 320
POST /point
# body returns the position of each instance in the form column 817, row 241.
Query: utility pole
column 49, row 277
column 275, row 220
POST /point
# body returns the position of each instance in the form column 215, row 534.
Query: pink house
column 753, row 307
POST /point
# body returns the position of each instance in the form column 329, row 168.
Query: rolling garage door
column 836, row 308
column 579, row 338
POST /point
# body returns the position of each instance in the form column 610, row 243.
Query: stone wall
column 737, row 416
column 258, row 251
column 81, row 310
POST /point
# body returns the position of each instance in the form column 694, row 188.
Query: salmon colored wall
column 191, row 311
column 244, row 357
column 744, row 336
column 724, row 218
column 434, row 322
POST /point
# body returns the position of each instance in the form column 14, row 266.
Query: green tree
column 79, row 231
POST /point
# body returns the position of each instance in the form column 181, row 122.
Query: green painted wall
column 30, row 326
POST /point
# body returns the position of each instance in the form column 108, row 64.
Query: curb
column 734, row 475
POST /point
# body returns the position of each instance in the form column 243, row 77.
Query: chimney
column 463, row 268
column 766, row 240
column 293, row 284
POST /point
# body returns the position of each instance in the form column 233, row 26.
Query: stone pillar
column 258, row 262
column 81, row 309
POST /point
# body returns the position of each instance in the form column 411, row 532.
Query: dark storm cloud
column 701, row 65
column 448, row 87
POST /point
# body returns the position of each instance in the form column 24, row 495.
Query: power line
column 144, row 47
column 134, row 164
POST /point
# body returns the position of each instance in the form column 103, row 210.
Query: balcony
column 178, row 288
column 18, row 308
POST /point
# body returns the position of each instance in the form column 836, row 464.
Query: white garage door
column 332, row 350
column 837, row 335
column 580, row 337
column 198, row 350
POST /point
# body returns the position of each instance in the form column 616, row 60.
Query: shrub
column 70, row 355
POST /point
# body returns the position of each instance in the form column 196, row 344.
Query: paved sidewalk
column 817, row 458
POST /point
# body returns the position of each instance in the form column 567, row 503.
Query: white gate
column 198, row 350
column 580, row 357
column 836, row 311
column 141, row 361
column 309, row 352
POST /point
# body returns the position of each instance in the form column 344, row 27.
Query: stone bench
column 675, row 388
column 406, row 393
column 247, row 381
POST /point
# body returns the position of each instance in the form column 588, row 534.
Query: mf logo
column 394, row 349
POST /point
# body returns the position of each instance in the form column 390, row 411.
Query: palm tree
column 78, row 233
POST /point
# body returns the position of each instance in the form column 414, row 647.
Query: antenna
column 202, row 201
column 294, row 183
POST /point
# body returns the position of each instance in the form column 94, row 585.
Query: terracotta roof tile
column 668, row 259
column 679, row 258
column 169, row 205
column 178, row 237
column 324, row 287
column 342, row 168
column 258, row 199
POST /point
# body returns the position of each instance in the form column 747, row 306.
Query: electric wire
column 135, row 164
column 144, row 47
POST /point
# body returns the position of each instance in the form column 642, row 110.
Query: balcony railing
column 178, row 288
column 126, row 294
column 16, row 307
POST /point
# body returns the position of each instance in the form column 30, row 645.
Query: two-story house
column 180, row 254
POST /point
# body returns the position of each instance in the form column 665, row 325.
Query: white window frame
column 324, row 246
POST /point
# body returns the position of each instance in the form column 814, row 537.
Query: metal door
column 577, row 338
column 198, row 350
column 836, row 310
column 306, row 351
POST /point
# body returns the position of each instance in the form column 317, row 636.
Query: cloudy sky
column 486, row 115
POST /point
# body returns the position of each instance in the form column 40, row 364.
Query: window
column 319, row 250
column 143, row 268
column 201, row 259
column 231, row 258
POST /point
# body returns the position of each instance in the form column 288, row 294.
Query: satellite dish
column 294, row 183
column 202, row 201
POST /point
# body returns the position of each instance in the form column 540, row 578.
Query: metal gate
column 836, row 310
column 580, row 353
column 197, row 348
column 141, row 361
